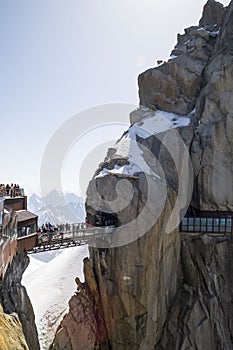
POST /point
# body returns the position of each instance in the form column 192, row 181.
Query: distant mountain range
column 56, row 208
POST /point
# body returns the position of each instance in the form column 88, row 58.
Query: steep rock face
column 213, row 13
column 14, row 300
column 126, row 286
column 11, row 332
column 212, row 146
column 134, row 296
column 174, row 86
column 167, row 291
column 134, row 285
column 201, row 314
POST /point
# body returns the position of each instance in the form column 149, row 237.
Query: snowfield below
column 50, row 283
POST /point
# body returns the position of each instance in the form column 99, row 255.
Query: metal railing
column 11, row 191
column 68, row 235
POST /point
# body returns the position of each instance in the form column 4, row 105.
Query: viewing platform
column 70, row 235
column 15, row 222
column 67, row 235
column 27, row 222
column 19, row 230
column 211, row 222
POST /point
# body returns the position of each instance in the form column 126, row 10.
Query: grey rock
column 201, row 312
column 172, row 291
column 14, row 299
column 213, row 14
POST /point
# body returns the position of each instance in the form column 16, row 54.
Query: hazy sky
column 59, row 57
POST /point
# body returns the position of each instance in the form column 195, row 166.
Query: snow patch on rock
column 150, row 123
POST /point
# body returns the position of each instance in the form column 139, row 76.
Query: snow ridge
column 151, row 123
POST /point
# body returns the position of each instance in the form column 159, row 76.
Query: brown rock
column 171, row 87
column 174, row 86
column 167, row 291
column 11, row 332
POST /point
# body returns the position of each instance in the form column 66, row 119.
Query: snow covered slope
column 50, row 282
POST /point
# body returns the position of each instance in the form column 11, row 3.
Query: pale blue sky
column 59, row 57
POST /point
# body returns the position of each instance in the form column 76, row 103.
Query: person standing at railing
column 3, row 189
column 50, row 236
column 7, row 189
column 15, row 193
column 11, row 191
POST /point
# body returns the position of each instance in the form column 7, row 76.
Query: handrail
column 27, row 236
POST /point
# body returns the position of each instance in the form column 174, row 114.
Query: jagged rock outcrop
column 212, row 145
column 126, row 280
column 213, row 14
column 84, row 326
column 167, row 290
column 201, row 314
column 17, row 306
column 11, row 332
column 211, row 95
column 175, row 85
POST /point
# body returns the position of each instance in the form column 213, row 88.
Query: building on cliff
column 8, row 236
column 18, row 228
column 17, row 320
column 27, row 222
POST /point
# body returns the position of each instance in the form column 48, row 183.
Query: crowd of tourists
column 101, row 219
column 12, row 190
column 47, row 227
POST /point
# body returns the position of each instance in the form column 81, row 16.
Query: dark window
column 185, row 221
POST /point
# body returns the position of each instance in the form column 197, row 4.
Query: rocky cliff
column 201, row 313
column 150, row 287
column 17, row 320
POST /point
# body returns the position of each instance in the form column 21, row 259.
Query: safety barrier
column 211, row 225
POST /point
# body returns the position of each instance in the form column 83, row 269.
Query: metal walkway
column 71, row 235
